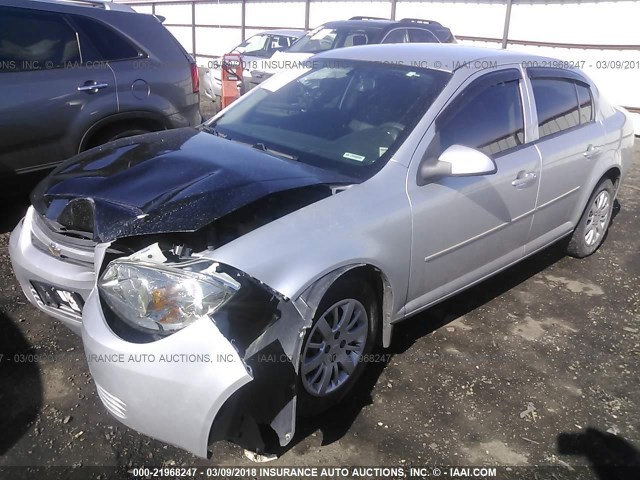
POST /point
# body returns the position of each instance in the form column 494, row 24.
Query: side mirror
column 456, row 161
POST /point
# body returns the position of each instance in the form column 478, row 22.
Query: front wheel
column 592, row 227
column 343, row 331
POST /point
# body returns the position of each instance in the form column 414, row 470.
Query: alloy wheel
column 334, row 347
column 597, row 219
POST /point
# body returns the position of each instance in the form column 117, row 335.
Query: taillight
column 195, row 79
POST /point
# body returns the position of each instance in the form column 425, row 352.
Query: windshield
column 264, row 44
column 343, row 116
column 322, row 39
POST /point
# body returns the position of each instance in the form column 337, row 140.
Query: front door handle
column 524, row 179
column 591, row 151
column 91, row 86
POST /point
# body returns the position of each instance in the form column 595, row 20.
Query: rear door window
column 557, row 105
column 35, row 41
column 104, row 43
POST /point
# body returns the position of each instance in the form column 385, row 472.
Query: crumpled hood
column 173, row 181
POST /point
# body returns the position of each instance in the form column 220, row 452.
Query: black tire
column 344, row 289
column 593, row 220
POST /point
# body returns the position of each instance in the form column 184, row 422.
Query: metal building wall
column 601, row 37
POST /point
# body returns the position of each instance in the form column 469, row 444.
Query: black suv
column 370, row 30
column 350, row 33
column 76, row 74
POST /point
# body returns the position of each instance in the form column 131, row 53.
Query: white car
column 259, row 47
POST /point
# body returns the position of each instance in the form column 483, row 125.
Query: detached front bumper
column 170, row 389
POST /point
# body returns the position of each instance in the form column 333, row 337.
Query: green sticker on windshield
column 353, row 156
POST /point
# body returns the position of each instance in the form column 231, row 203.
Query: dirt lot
column 537, row 366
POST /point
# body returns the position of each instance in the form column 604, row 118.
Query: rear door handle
column 91, row 86
column 591, row 151
column 524, row 179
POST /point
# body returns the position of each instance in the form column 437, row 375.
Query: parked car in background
column 274, row 245
column 353, row 32
column 74, row 75
column 254, row 50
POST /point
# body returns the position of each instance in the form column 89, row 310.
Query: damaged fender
column 274, row 359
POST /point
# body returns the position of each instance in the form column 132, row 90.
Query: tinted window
column 417, row 35
column 323, row 38
column 396, row 36
column 109, row 45
column 34, row 41
column 556, row 103
column 586, row 104
column 486, row 117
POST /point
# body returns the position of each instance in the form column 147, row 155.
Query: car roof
column 440, row 56
column 359, row 23
column 368, row 22
column 284, row 31
column 102, row 4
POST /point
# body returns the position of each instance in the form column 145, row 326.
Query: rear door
column 45, row 89
column 133, row 69
column 570, row 142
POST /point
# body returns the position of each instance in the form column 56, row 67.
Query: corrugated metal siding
column 574, row 23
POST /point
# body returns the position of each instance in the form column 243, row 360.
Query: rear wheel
column 342, row 332
column 592, row 227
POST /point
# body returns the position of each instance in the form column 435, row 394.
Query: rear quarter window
column 585, row 100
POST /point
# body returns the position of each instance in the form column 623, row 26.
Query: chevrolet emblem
column 54, row 250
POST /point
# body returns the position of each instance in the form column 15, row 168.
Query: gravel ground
column 537, row 366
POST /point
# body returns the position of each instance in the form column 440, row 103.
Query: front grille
column 72, row 249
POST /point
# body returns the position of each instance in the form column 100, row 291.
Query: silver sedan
column 228, row 278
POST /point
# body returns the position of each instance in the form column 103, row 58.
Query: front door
column 465, row 228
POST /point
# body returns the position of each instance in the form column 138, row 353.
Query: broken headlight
column 163, row 299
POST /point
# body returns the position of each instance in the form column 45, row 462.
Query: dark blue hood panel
column 173, row 181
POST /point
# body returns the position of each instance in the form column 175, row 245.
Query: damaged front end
column 165, row 295
column 181, row 348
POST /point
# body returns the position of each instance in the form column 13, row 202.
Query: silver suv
column 77, row 74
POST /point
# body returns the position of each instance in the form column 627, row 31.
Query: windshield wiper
column 275, row 153
column 213, row 131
